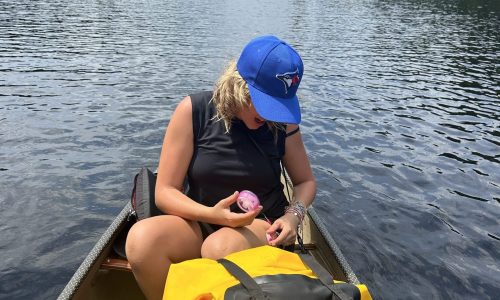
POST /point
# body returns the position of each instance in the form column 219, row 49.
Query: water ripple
column 400, row 118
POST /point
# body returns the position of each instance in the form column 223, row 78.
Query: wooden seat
column 114, row 262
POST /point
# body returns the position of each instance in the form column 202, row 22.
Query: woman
column 227, row 141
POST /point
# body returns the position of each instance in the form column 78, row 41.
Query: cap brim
column 283, row 110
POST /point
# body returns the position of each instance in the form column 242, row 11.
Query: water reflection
column 401, row 118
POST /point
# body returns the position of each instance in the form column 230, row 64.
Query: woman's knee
column 139, row 241
column 223, row 242
column 164, row 236
column 215, row 248
column 228, row 240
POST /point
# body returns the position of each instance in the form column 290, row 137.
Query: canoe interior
column 104, row 275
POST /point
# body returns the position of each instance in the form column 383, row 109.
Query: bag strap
column 323, row 275
column 246, row 280
column 299, row 236
column 256, row 292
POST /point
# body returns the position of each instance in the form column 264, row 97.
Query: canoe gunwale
column 322, row 247
column 339, row 256
column 95, row 254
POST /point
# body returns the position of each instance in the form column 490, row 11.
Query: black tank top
column 223, row 163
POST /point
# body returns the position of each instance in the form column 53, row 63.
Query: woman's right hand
column 222, row 214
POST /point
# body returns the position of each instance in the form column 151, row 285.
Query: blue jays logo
column 289, row 79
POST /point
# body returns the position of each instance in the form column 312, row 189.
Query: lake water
column 401, row 113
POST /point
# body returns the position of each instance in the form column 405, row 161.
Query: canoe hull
column 104, row 275
column 93, row 280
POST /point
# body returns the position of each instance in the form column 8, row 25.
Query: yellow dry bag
column 259, row 273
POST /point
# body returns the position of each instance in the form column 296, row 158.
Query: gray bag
column 142, row 199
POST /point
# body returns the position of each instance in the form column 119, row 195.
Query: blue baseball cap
column 272, row 70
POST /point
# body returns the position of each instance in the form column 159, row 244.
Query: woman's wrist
column 297, row 209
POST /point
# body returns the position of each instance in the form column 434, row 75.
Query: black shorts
column 207, row 229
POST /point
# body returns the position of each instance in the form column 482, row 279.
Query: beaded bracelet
column 298, row 209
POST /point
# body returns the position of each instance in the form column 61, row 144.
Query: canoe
column 105, row 274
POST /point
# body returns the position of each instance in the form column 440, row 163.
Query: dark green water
column 401, row 117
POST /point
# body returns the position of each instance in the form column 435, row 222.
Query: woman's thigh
column 167, row 236
column 228, row 240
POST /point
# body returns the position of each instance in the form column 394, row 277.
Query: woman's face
column 250, row 117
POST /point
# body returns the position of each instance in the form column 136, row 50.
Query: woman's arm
column 298, row 168
column 176, row 154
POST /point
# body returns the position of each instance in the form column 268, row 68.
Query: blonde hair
column 230, row 95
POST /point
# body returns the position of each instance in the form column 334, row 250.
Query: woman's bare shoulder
column 182, row 116
column 291, row 127
column 185, row 106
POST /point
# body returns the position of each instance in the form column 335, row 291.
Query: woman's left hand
column 284, row 230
